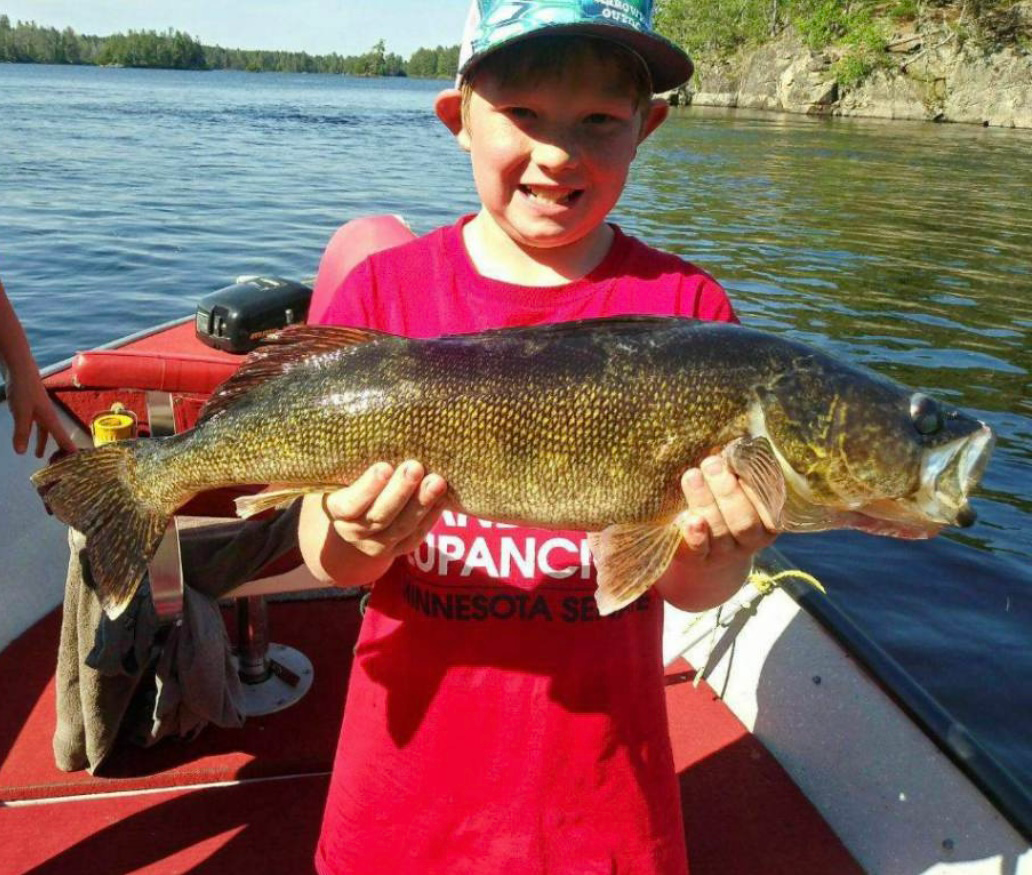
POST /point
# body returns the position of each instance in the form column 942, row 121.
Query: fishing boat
column 801, row 747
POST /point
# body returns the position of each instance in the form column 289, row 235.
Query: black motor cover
column 236, row 318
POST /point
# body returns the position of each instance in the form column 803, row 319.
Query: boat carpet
column 256, row 827
column 742, row 812
column 27, row 769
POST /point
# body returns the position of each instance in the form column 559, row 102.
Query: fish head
column 857, row 450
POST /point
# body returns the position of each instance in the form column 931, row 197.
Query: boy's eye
column 520, row 112
column 600, row 118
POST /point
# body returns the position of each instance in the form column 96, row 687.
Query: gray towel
column 91, row 704
column 195, row 681
column 127, row 674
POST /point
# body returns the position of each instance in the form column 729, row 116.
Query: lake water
column 127, row 194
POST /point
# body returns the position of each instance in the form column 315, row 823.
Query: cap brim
column 668, row 64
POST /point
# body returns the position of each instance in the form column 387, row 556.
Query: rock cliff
column 928, row 71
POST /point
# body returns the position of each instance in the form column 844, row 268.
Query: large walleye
column 586, row 425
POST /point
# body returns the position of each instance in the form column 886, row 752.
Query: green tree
column 447, row 61
column 423, row 63
column 5, row 39
column 717, row 26
column 70, row 46
column 376, row 64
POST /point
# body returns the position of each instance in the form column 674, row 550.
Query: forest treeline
column 27, row 42
column 720, row 25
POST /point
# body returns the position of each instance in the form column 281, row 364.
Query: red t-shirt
column 494, row 722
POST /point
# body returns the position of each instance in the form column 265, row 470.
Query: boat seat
column 274, row 675
column 151, row 371
column 351, row 244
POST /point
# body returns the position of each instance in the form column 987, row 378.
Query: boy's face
column 550, row 158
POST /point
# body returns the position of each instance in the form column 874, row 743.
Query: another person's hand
column 29, row 404
column 27, row 398
column 352, row 536
column 722, row 531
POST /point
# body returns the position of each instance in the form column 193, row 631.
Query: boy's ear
column 657, row 113
column 448, row 106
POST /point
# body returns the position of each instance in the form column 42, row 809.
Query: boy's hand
column 722, row 531
column 350, row 537
column 386, row 513
column 724, row 520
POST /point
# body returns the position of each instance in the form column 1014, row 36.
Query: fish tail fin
column 96, row 492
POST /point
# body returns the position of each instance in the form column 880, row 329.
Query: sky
column 348, row 27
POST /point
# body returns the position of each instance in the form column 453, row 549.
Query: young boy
column 494, row 722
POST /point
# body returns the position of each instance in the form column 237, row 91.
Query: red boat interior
column 251, row 799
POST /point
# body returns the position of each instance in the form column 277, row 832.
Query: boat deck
column 251, row 799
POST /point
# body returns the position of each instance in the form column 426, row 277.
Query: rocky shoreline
column 929, row 74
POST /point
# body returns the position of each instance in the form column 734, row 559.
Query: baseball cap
column 492, row 24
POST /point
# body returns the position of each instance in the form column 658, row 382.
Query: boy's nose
column 555, row 153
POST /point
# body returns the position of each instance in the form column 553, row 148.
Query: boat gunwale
column 64, row 364
column 997, row 783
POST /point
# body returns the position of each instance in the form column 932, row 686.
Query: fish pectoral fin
column 757, row 467
column 630, row 558
column 802, row 516
column 250, row 505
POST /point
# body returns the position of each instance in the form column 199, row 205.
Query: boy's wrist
column 14, row 363
column 698, row 584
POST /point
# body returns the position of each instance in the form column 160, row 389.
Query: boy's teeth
column 548, row 194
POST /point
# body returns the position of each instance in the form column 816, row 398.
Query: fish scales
column 552, row 432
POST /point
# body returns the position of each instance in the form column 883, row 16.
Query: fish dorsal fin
column 280, row 352
column 756, row 466
column 629, row 559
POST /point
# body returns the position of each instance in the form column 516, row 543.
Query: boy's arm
column 723, row 532
column 350, row 537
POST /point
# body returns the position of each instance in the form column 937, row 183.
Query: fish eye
column 925, row 414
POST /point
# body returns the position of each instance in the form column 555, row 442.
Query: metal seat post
column 252, row 649
column 274, row 676
column 166, row 577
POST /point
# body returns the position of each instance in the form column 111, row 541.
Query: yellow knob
column 113, row 425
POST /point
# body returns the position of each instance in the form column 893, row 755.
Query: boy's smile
column 550, row 159
column 555, row 195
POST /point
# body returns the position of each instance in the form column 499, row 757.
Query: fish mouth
column 948, row 474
